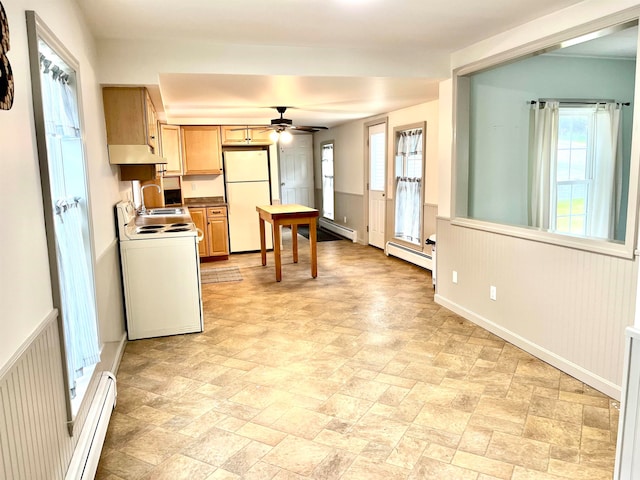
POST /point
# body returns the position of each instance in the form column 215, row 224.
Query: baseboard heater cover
column 410, row 255
column 84, row 463
column 339, row 229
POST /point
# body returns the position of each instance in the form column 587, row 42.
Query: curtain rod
column 577, row 101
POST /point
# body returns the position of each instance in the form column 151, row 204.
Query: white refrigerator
column 247, row 185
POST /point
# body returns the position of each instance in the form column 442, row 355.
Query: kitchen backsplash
column 202, row 186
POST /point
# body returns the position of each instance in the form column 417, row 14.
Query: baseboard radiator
column 410, row 255
column 339, row 229
column 86, row 455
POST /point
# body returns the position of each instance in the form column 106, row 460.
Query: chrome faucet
column 143, row 209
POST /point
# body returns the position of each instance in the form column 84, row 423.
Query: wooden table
column 294, row 215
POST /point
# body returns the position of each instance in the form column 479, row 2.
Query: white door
column 377, row 180
column 296, row 171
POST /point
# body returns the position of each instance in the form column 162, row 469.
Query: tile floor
column 356, row 374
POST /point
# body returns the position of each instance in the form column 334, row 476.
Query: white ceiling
column 426, row 30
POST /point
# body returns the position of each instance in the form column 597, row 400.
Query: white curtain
column 607, row 172
column 543, row 149
column 64, row 151
column 408, row 208
column 408, row 185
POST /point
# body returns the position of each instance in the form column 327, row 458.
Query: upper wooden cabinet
column 201, row 150
column 171, row 149
column 130, row 117
column 245, row 135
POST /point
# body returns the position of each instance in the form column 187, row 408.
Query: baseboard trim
column 601, row 384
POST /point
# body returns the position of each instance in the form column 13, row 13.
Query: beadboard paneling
column 34, row 440
column 569, row 307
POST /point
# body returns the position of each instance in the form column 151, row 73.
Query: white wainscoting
column 34, row 438
column 568, row 307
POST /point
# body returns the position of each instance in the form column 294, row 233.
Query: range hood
column 133, row 155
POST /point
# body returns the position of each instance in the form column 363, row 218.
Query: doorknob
column 282, row 184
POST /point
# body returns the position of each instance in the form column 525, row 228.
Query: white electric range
column 160, row 273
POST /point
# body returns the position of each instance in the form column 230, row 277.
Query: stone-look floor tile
column 345, row 407
column 262, row 434
column 123, row 465
column 577, row 472
column 442, row 418
column 343, row 440
column 521, row 473
column 155, row 446
column 407, row 452
column 333, row 466
column 482, row 464
column 382, row 430
column 516, row 450
column 221, row 474
column 302, row 422
column 439, row 452
column 179, row 467
column 596, row 453
column 261, row 471
column 241, row 462
column 475, row 440
column 298, row 455
column 216, row 447
column 552, row 431
column 430, row 468
column 365, row 468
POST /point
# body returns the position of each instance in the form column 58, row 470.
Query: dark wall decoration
column 6, row 75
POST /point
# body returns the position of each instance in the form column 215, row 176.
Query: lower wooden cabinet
column 212, row 222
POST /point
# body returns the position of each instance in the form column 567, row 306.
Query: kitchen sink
column 164, row 212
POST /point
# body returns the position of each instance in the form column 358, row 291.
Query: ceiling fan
column 281, row 124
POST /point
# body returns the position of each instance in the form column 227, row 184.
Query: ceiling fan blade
column 308, row 128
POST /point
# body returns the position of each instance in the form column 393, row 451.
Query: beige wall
column 350, row 166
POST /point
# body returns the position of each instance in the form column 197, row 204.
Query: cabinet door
column 218, row 236
column 260, row 136
column 130, row 116
column 199, row 217
column 152, row 122
column 171, row 148
column 245, row 135
column 201, row 150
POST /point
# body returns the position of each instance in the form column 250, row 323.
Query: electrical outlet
column 454, row 278
column 193, row 186
column 344, row 219
column 493, row 292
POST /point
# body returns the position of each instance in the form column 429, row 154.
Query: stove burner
column 180, row 229
column 147, row 231
column 179, row 225
column 150, row 227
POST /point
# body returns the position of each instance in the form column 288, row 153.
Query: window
column 579, row 146
column 63, row 177
column 327, row 180
column 574, row 170
column 409, row 161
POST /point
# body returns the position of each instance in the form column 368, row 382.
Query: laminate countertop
column 204, row 202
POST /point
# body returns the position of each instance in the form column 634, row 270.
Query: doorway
column 296, row 171
column 377, row 147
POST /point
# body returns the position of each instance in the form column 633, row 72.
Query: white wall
column 25, row 290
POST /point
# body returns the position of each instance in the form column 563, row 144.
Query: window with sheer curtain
column 576, row 164
column 68, row 193
column 327, row 181
column 408, row 189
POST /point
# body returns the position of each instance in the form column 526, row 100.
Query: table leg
column 263, row 243
column 294, row 241
column 277, row 250
column 313, row 239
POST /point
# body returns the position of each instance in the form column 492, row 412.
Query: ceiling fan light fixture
column 285, row 136
column 274, row 136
